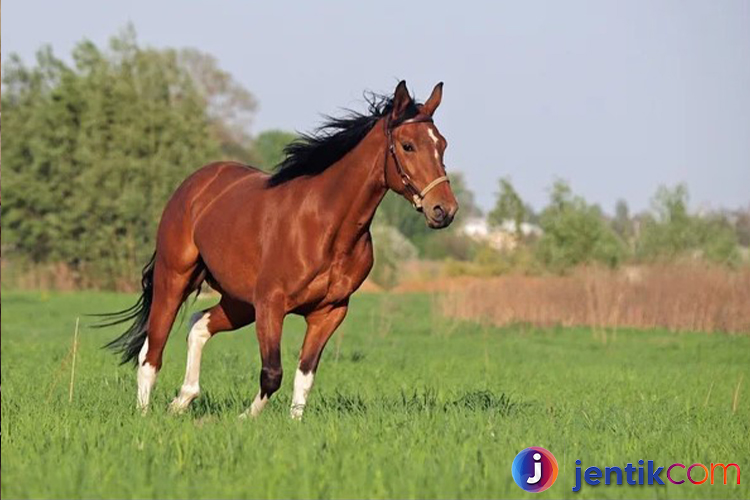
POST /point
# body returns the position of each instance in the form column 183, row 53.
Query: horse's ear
column 401, row 100
column 434, row 101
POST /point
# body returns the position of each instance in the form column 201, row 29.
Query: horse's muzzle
column 439, row 216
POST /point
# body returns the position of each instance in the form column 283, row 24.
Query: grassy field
column 405, row 405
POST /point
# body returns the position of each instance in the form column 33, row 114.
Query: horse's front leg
column 269, row 320
column 320, row 326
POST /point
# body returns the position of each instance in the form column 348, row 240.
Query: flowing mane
column 311, row 154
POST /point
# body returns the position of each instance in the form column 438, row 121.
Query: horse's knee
column 270, row 380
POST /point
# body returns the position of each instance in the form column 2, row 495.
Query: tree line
column 575, row 232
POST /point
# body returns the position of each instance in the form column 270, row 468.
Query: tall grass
column 678, row 298
column 398, row 410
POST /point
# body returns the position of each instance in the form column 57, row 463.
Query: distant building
column 502, row 237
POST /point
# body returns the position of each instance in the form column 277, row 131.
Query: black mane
column 311, row 154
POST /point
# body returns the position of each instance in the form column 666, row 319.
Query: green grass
column 412, row 407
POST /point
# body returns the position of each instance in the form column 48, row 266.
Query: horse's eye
column 408, row 147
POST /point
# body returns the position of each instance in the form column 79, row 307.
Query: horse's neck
column 354, row 186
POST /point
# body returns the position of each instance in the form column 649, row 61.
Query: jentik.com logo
column 534, row 469
column 652, row 475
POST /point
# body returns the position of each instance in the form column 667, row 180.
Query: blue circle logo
column 535, row 469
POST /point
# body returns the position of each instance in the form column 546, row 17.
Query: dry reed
column 678, row 298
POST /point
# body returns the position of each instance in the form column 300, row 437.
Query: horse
column 293, row 241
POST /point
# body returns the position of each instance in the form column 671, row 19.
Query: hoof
column 296, row 412
column 177, row 407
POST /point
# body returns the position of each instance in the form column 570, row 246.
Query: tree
column 742, row 226
column 670, row 231
column 465, row 197
column 509, row 207
column 268, row 148
column 93, row 151
column 622, row 223
column 391, row 249
column 230, row 106
column 575, row 232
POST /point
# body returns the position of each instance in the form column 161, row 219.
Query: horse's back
column 193, row 199
column 209, row 183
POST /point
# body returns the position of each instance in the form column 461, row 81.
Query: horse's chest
column 349, row 270
column 336, row 279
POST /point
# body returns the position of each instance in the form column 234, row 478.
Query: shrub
column 575, row 233
column 670, row 232
column 391, row 248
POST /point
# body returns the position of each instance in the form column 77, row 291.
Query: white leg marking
column 258, row 404
column 435, row 140
column 197, row 339
column 146, row 380
column 303, row 382
column 142, row 354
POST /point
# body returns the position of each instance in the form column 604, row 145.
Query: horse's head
column 414, row 168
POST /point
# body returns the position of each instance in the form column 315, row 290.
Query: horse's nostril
column 438, row 213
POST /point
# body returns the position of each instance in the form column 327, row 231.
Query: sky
column 616, row 98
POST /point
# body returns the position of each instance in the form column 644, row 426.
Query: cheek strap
column 417, row 195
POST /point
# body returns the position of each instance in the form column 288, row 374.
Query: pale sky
column 615, row 97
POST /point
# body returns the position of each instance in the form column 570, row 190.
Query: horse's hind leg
column 228, row 314
column 170, row 289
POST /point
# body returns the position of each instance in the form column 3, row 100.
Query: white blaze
column 434, row 138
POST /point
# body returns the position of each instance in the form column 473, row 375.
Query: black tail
column 129, row 344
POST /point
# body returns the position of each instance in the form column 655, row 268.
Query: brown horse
column 297, row 241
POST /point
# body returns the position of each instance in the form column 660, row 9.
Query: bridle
column 417, row 196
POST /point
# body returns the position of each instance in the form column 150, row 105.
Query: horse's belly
column 236, row 281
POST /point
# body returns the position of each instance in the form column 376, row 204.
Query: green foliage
column 92, row 152
column 509, row 207
column 742, row 226
column 467, row 204
column 391, row 249
column 406, row 404
column 395, row 211
column 671, row 231
column 488, row 262
column 622, row 223
column 446, row 244
column 575, row 233
column 269, row 147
